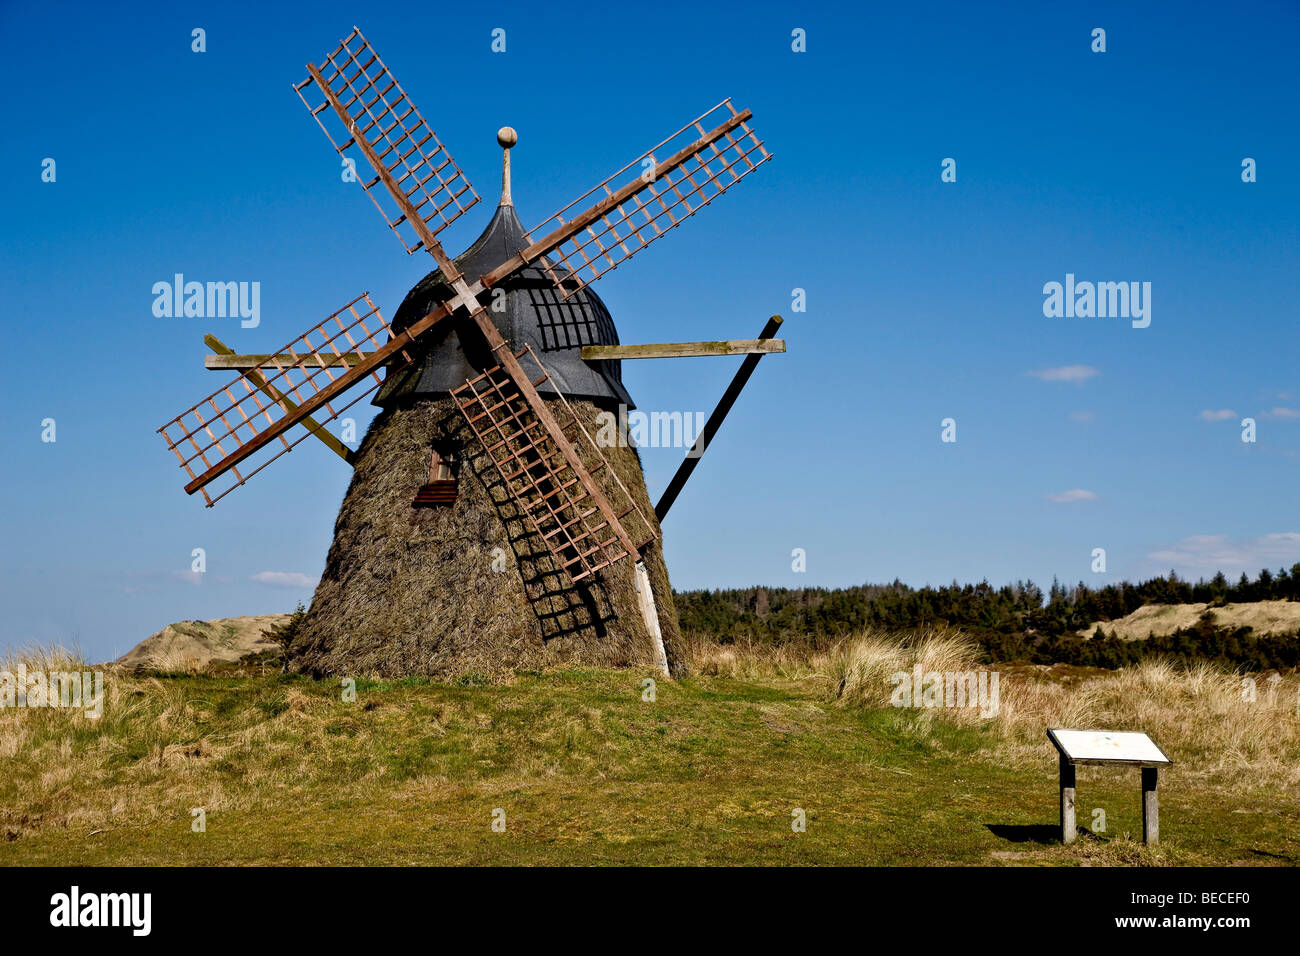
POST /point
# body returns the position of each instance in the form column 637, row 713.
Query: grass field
column 588, row 772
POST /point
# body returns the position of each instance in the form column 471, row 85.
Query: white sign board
column 1107, row 746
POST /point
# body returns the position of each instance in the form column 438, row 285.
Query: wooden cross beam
column 233, row 362
column 258, row 379
column 592, row 353
column 229, row 361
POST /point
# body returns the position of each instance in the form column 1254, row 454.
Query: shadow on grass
column 1026, row 833
column 1272, row 856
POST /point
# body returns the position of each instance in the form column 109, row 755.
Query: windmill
column 458, row 390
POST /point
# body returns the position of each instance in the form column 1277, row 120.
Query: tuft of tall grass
column 48, row 658
column 860, row 667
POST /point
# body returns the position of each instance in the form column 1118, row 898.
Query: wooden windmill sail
column 540, row 450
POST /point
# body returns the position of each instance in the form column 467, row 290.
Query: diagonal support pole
column 715, row 422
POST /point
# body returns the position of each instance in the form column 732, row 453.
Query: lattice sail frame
column 392, row 126
column 548, row 492
column 665, row 201
column 622, row 220
column 243, row 409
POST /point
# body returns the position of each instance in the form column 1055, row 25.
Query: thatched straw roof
column 467, row 589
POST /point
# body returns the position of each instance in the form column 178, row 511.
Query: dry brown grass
column 1201, row 715
column 748, row 660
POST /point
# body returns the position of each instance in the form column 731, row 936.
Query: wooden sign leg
column 1068, row 831
column 1150, row 806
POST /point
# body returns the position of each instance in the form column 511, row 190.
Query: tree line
column 1014, row 622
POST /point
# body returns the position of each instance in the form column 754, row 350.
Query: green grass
column 586, row 772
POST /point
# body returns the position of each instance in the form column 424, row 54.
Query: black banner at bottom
column 341, row 905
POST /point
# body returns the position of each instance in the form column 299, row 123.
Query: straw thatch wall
column 470, row 589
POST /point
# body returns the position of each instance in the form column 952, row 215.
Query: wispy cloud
column 1217, row 415
column 1280, row 412
column 1074, row 494
column 190, row 577
column 284, row 579
column 1066, row 373
column 1201, row 555
column 1082, row 416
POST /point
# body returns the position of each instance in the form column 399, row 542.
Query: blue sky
column 924, row 298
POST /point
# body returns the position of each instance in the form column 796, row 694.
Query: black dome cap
column 534, row 314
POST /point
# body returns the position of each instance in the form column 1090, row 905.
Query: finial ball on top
column 507, row 137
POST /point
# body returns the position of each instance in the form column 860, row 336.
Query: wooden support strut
column 714, row 423
column 592, row 353
column 232, row 361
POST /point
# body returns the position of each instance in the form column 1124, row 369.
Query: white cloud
column 284, row 579
column 1066, row 373
column 1201, row 555
column 1074, row 494
column 190, row 577
column 1280, row 412
column 1217, row 415
column 1082, row 416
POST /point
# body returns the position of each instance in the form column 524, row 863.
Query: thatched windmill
column 487, row 527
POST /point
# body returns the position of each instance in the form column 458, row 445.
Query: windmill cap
column 507, row 137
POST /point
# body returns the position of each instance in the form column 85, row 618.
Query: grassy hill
column 588, row 771
column 1262, row 617
column 195, row 644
